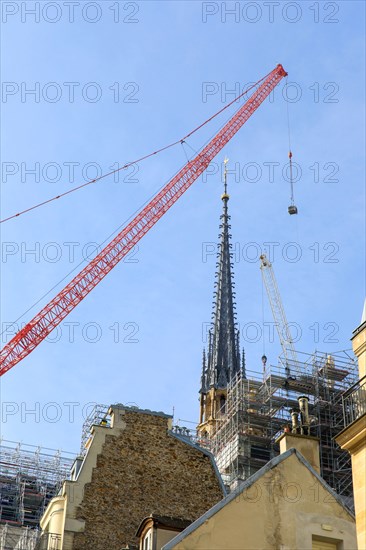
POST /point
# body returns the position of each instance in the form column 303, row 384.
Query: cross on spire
column 226, row 160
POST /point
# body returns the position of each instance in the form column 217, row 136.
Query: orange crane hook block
column 29, row 337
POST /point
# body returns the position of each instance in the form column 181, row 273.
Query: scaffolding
column 97, row 416
column 29, row 477
column 257, row 409
column 18, row 538
column 242, row 441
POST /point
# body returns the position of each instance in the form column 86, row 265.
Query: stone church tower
column 222, row 361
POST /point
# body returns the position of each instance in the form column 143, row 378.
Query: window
column 147, row 542
column 222, row 404
column 322, row 543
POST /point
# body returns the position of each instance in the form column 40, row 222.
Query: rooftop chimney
column 304, row 415
column 299, row 438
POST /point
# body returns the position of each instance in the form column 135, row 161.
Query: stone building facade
column 286, row 505
column 135, row 466
column 353, row 437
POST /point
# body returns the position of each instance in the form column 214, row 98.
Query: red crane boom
column 28, row 338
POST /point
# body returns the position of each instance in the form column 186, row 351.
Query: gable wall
column 142, row 470
column 279, row 511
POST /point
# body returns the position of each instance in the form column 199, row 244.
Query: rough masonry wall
column 143, row 470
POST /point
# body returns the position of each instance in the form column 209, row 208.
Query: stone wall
column 141, row 470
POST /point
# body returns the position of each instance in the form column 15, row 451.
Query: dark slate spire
column 223, row 357
column 243, row 373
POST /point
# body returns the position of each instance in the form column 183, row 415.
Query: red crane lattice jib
column 53, row 313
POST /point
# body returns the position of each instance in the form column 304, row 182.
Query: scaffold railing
column 98, row 415
column 29, row 477
column 354, row 402
column 259, row 407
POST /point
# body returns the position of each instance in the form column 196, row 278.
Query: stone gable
column 144, row 469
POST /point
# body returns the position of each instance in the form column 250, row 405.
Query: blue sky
column 160, row 69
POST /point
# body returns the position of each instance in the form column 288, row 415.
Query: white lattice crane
column 279, row 315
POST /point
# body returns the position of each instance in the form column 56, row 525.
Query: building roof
column 248, row 483
column 136, row 409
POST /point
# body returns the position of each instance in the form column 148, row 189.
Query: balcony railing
column 49, row 541
column 354, row 402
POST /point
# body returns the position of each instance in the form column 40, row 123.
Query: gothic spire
column 223, row 358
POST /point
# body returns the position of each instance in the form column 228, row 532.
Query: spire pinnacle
column 225, row 196
column 223, row 359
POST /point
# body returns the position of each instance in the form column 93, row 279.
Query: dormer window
column 155, row 531
column 147, row 541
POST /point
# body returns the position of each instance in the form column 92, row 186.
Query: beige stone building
column 353, row 437
column 284, row 506
column 135, row 466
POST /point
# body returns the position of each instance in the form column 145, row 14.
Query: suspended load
column 292, row 209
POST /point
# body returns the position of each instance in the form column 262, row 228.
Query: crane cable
column 127, row 165
column 183, row 143
column 289, row 147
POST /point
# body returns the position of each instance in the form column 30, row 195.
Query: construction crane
column 28, row 338
column 279, row 315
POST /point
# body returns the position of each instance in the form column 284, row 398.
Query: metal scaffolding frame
column 18, row 538
column 29, row 477
column 258, row 407
column 243, row 439
column 98, row 415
